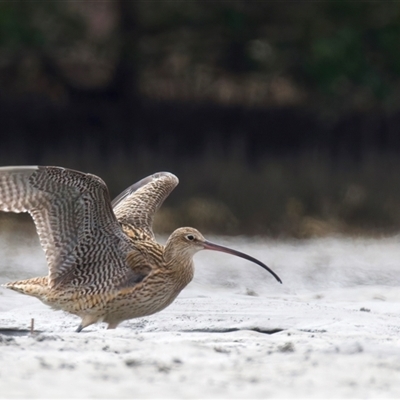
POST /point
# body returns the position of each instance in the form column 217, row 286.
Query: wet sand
column 332, row 330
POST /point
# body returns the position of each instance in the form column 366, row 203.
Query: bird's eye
column 190, row 237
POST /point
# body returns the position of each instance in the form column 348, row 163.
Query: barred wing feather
column 73, row 217
column 138, row 204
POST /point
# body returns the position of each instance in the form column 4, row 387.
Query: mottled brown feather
column 74, row 220
column 137, row 205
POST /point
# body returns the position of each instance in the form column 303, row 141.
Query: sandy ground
column 332, row 330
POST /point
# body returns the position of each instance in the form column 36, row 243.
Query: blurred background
column 279, row 118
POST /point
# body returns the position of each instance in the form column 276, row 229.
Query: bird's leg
column 113, row 325
column 86, row 321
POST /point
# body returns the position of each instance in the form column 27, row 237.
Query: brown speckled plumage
column 104, row 263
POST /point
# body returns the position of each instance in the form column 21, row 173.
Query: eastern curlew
column 104, row 263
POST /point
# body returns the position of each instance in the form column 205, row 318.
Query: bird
column 104, row 262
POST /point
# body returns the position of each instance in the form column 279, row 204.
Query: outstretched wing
column 137, row 204
column 73, row 217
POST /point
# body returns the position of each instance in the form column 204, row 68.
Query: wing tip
column 163, row 174
column 10, row 168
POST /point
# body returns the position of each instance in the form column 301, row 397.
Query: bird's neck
column 180, row 266
column 183, row 274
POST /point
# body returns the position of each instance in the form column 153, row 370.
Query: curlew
column 104, row 263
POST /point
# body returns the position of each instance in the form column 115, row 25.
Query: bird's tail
column 37, row 287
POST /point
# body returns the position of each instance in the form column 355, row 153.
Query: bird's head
column 186, row 242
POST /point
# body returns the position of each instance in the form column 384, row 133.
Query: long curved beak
column 212, row 246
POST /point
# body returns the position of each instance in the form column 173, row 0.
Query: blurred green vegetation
column 334, row 55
